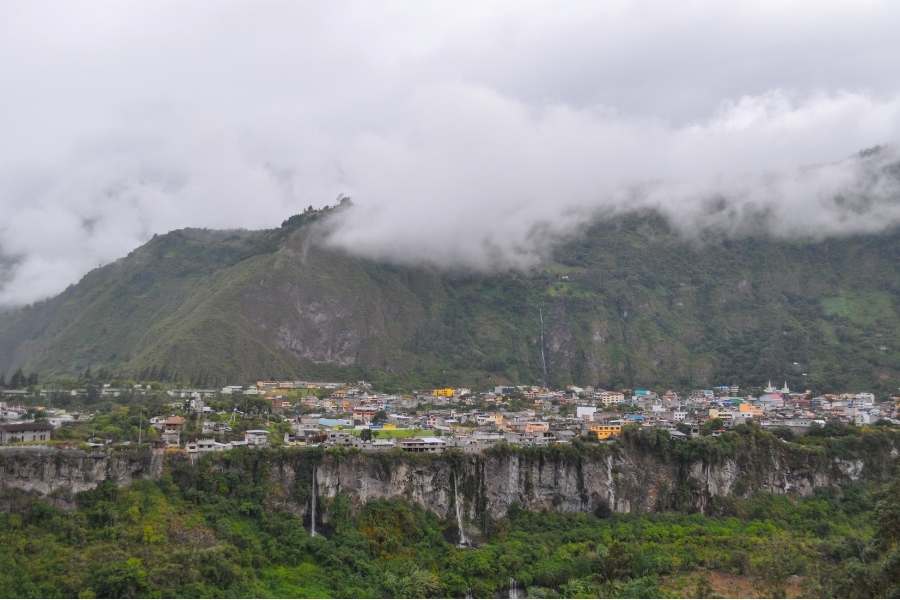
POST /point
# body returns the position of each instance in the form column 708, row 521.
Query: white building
column 585, row 412
column 256, row 437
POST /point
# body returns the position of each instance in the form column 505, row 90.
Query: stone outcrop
column 59, row 474
column 638, row 474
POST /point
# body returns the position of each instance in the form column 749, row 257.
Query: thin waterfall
column 513, row 589
column 315, row 492
column 543, row 358
column 459, row 520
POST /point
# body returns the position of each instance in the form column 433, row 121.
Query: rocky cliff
column 636, row 475
column 644, row 472
column 58, row 474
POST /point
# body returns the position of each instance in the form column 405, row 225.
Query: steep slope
column 629, row 302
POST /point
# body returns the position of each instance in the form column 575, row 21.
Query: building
column 256, row 437
column 425, row 444
column 537, row 427
column 25, row 432
column 604, row 431
column 171, row 433
column 608, row 398
column 338, row 437
column 585, row 412
column 749, row 411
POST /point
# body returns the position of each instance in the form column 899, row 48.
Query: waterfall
column 513, row 589
column 611, row 483
column 543, row 358
column 459, row 520
column 315, row 492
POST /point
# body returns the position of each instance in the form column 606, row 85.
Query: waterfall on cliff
column 315, row 492
column 513, row 589
column 459, row 520
column 611, row 483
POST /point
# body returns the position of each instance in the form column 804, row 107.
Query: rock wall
column 59, row 474
column 638, row 474
column 631, row 476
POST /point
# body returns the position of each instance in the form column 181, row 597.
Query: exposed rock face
column 635, row 475
column 60, row 474
column 612, row 478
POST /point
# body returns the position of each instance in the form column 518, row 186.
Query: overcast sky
column 460, row 129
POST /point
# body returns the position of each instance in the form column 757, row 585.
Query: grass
column 391, row 434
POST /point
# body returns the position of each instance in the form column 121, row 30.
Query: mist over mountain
column 134, row 121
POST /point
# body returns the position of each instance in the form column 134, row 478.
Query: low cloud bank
column 479, row 181
column 468, row 179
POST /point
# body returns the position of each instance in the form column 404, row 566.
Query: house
column 171, row 433
column 425, row 444
column 537, row 427
column 585, row 412
column 341, row 438
column 211, row 446
column 256, row 437
column 604, row 431
column 749, row 411
column 25, row 432
column 380, row 445
column 608, row 398
column 364, row 414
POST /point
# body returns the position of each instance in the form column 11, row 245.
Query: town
column 353, row 415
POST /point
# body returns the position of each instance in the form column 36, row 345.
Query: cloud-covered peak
column 469, row 136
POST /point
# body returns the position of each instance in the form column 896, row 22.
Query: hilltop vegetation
column 628, row 302
column 219, row 528
column 168, row 539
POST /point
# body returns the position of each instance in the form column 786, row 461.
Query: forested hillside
column 217, row 527
column 627, row 302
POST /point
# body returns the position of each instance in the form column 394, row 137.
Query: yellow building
column 748, row 410
column 443, row 392
column 604, row 432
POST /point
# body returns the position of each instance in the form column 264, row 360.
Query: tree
column 712, row 425
column 380, row 417
column 121, row 579
column 18, row 379
column 366, row 435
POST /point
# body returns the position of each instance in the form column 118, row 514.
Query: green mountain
column 629, row 302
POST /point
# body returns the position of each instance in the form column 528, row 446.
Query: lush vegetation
column 215, row 533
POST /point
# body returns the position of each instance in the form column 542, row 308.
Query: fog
column 468, row 136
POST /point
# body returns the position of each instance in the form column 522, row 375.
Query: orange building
column 605, row 431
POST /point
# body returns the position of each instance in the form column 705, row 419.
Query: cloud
column 469, row 136
column 478, row 180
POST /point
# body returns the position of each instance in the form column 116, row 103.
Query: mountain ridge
column 629, row 301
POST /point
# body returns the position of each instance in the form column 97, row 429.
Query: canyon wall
column 59, row 474
column 641, row 473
